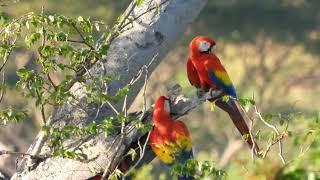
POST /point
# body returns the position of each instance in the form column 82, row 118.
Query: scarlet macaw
column 206, row 72
column 170, row 140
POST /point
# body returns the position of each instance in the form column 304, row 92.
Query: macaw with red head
column 169, row 139
column 206, row 73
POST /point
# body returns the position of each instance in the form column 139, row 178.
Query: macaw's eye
column 204, row 46
column 167, row 105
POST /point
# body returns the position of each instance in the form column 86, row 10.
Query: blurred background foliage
column 270, row 48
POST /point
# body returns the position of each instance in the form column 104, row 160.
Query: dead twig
column 15, row 153
column 280, row 137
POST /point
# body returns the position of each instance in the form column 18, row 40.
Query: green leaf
column 104, row 49
column 139, row 2
column 61, row 36
column 80, row 19
column 281, row 122
column 51, row 18
column 4, row 17
column 246, row 101
column 32, row 38
column 212, row 106
column 225, row 98
column 45, row 129
column 132, row 153
column 82, row 156
column 246, row 137
column 267, row 117
column 97, row 26
column 22, row 71
column 27, row 24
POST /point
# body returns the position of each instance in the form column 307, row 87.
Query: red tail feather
column 238, row 121
column 124, row 167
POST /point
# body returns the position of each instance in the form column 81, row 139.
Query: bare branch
column 82, row 36
column 143, row 13
column 2, row 88
column 280, row 137
column 3, row 152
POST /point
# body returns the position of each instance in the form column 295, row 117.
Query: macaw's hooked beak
column 210, row 49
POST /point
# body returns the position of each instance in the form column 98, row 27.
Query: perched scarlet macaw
column 206, row 72
column 170, row 140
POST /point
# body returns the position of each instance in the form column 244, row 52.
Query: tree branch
column 279, row 136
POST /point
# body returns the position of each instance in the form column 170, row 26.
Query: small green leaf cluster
column 59, row 135
column 246, row 101
column 197, row 169
column 307, row 162
column 65, row 46
column 11, row 114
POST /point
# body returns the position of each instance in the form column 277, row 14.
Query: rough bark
column 152, row 34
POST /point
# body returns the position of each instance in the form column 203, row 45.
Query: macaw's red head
column 162, row 105
column 201, row 45
column 161, row 112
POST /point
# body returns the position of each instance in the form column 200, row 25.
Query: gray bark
column 153, row 34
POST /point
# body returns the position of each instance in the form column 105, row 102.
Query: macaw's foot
column 200, row 93
column 215, row 94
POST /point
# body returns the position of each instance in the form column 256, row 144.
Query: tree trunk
column 149, row 38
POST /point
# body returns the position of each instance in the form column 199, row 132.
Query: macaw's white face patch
column 204, row 46
column 167, row 106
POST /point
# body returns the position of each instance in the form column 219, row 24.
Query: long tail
column 237, row 118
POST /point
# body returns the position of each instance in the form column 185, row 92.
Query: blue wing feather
column 228, row 89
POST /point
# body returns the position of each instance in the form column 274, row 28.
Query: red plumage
column 170, row 140
column 205, row 71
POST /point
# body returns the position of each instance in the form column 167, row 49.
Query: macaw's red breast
column 167, row 145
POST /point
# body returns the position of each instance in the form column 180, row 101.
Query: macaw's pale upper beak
column 208, row 51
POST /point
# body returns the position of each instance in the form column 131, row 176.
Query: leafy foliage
column 66, row 45
column 197, row 169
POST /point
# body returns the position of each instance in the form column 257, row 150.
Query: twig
column 16, row 20
column 38, row 145
column 122, row 136
column 142, row 152
column 2, row 88
column 142, row 69
column 51, row 81
column 43, row 29
column 140, row 15
column 41, row 108
column 3, row 152
column 108, row 41
column 82, row 36
column 7, row 54
column 112, row 107
column 280, row 154
column 254, row 144
column 144, row 95
column 76, row 41
column 116, row 29
column 271, row 144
